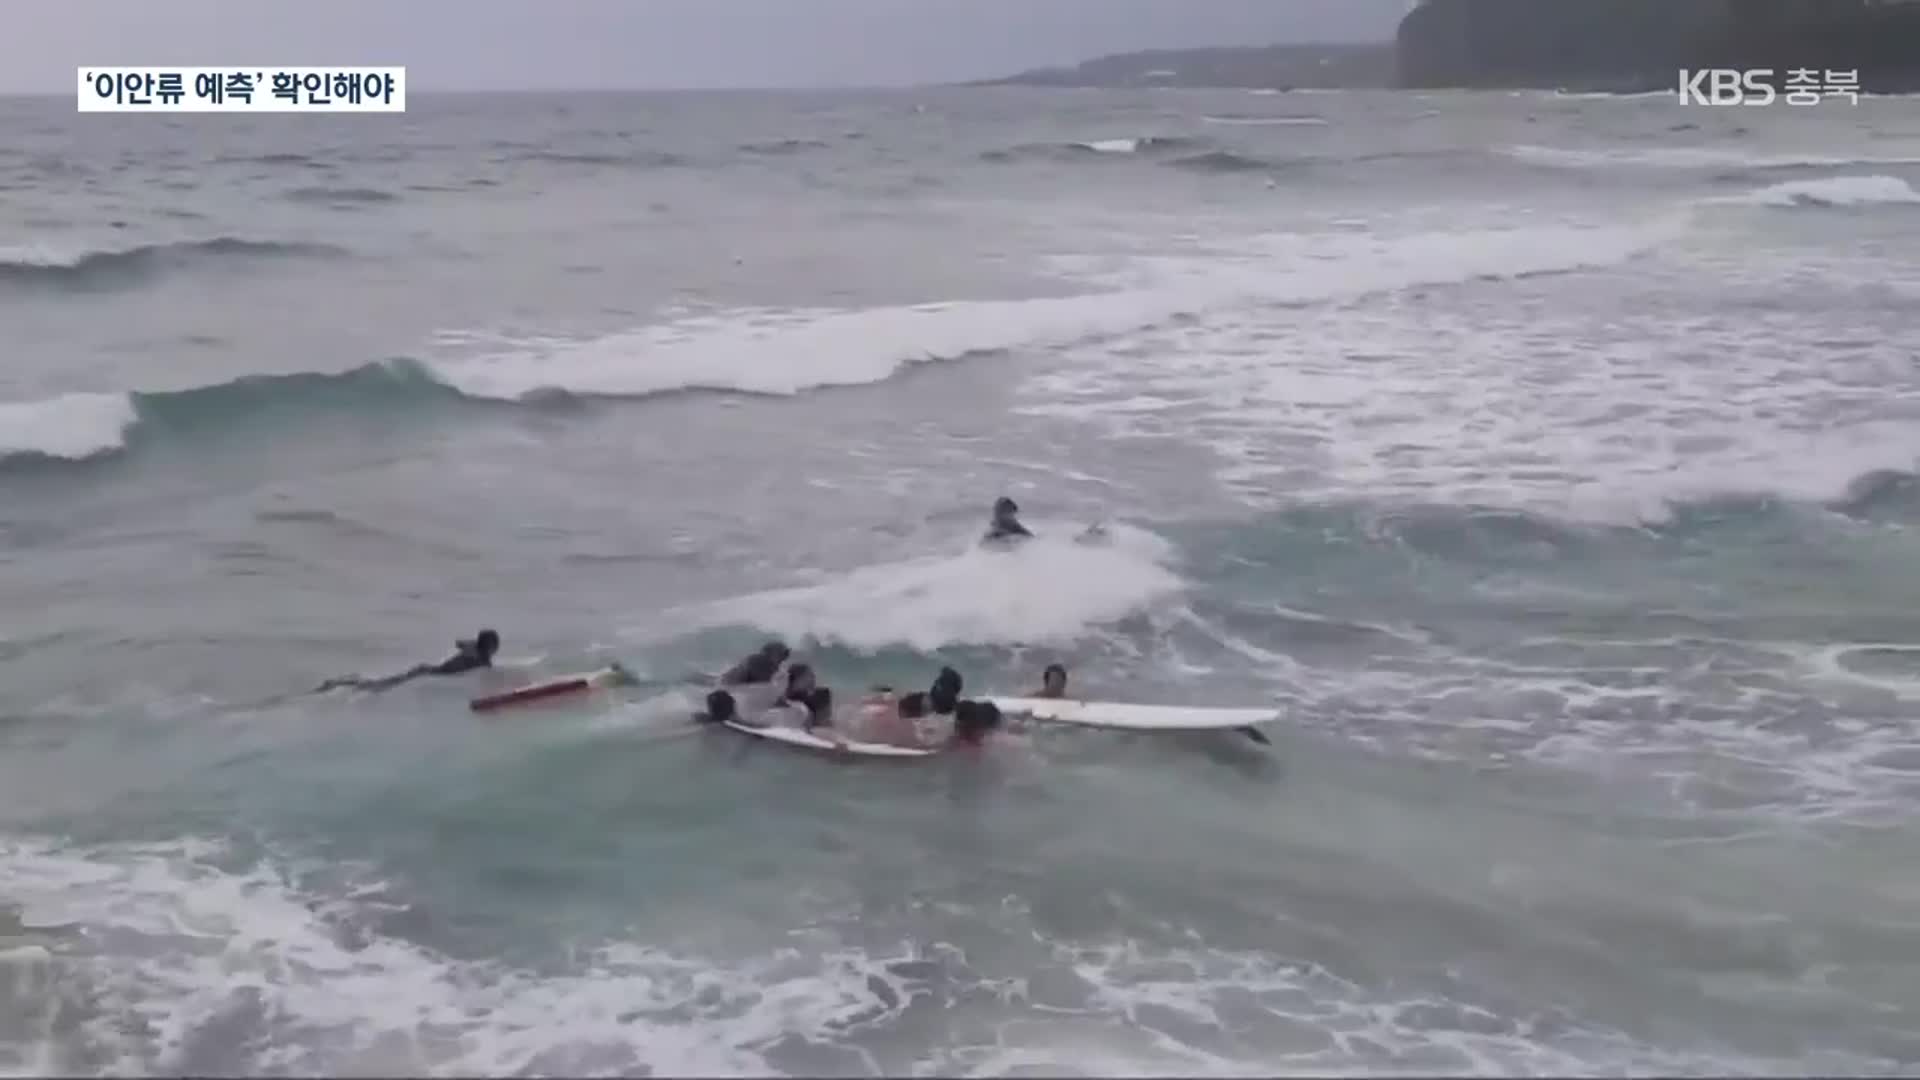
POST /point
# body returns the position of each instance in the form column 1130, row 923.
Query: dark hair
column 914, row 705
column 1055, row 669
column 486, row 639
column 776, row 649
column 945, row 692
column 720, row 706
column 797, row 673
column 820, row 707
column 1004, row 505
column 972, row 720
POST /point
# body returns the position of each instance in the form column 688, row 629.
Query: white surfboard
column 808, row 740
column 1110, row 714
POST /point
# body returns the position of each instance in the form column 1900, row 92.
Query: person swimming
column 804, row 710
column 801, row 683
column 969, row 727
column 1005, row 526
column 819, row 706
column 721, row 707
column 804, row 703
column 944, row 694
column 760, row 667
column 921, row 720
column 1053, row 682
column 469, row 655
column 893, row 720
column 973, row 721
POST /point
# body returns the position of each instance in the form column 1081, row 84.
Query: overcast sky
column 565, row 44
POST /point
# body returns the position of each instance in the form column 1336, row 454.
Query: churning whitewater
column 1548, row 461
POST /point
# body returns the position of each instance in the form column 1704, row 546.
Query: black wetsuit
column 1006, row 528
column 758, row 668
column 458, row 664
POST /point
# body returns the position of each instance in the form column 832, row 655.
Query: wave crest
column 1221, row 161
column 1075, row 151
column 114, row 268
column 789, row 352
column 1836, row 191
column 84, row 427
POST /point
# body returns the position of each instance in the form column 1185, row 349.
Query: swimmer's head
column 820, row 705
column 974, row 720
column 484, row 644
column 945, row 693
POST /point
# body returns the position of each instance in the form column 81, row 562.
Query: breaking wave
column 26, row 268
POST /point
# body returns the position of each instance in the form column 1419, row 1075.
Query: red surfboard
column 551, row 688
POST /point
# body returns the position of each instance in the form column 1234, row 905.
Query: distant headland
column 1622, row 46
column 1276, row 67
column 1640, row 45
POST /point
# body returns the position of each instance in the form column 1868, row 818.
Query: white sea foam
column 1693, row 157
column 1265, row 121
column 781, row 352
column 1837, row 191
column 1114, row 146
column 192, row 947
column 784, row 352
column 1051, row 589
column 1580, row 409
column 1596, row 95
column 71, row 426
column 45, row 255
column 158, row 960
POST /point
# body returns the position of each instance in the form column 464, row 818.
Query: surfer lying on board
column 919, row 720
column 803, row 704
column 906, row 723
column 469, row 655
column 939, row 699
column 813, row 710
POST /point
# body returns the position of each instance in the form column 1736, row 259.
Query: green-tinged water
column 1547, row 462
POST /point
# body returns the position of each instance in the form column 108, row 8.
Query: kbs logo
column 1726, row 86
column 1755, row 86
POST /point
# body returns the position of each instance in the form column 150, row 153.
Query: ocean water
column 1548, row 461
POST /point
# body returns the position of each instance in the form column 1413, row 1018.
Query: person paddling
column 469, row 655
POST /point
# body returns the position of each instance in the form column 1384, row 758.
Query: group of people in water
column 754, row 692
column 767, row 689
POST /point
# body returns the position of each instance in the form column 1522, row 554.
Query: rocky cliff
column 1641, row 44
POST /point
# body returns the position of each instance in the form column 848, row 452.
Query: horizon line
column 975, row 81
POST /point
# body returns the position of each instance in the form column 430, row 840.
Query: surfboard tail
column 1126, row 717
